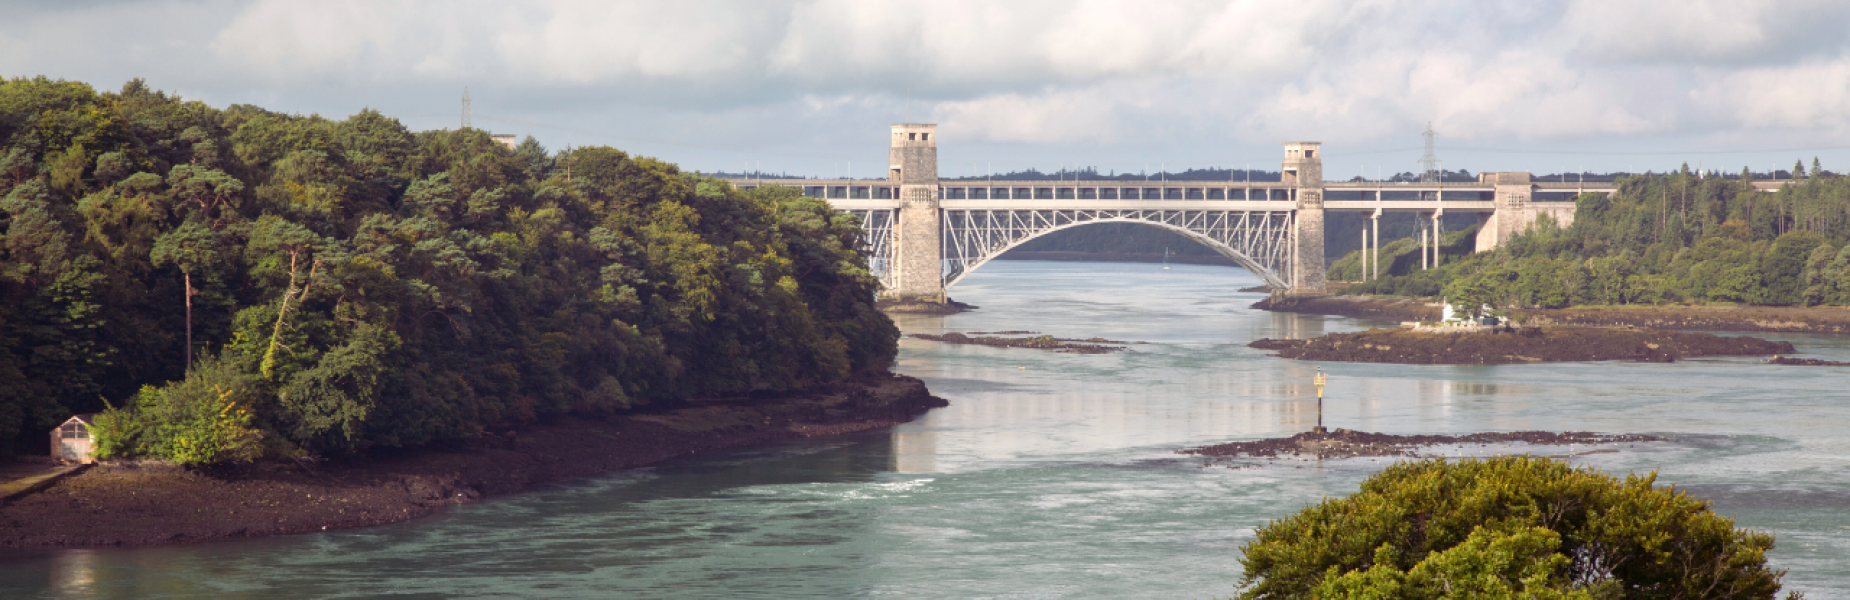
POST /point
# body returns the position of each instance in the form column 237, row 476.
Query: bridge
column 924, row 235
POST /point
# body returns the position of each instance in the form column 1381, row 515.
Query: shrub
column 115, row 433
column 203, row 419
column 1504, row 527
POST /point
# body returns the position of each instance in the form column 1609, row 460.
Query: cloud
column 1047, row 118
column 1181, row 76
column 1705, row 32
column 1813, row 96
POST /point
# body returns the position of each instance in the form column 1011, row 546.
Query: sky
column 809, row 87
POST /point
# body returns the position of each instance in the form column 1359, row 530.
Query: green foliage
column 1673, row 238
column 203, row 419
column 1512, row 526
column 1489, row 564
column 362, row 285
column 115, row 433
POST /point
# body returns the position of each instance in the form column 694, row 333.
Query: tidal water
column 1052, row 475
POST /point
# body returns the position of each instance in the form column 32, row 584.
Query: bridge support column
column 1511, row 215
column 1516, row 210
column 1304, row 173
column 1374, row 257
column 918, row 251
column 1438, row 220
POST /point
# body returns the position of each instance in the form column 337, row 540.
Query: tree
column 373, row 287
column 191, row 247
column 210, row 192
column 273, row 238
column 1508, row 526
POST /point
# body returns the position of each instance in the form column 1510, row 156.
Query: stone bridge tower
column 919, row 243
column 1303, row 171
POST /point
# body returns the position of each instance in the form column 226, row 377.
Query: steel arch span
column 877, row 243
column 1260, row 241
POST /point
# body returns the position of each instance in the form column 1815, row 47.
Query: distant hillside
column 1658, row 239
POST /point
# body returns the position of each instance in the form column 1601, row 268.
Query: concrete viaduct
column 924, row 235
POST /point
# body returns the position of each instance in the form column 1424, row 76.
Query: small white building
column 506, row 139
column 71, row 440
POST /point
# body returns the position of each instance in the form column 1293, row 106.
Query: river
column 1051, row 475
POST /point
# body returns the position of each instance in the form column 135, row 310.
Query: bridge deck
column 1365, row 196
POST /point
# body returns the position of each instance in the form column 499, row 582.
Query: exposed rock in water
column 1804, row 319
column 1344, row 443
column 1361, row 307
column 1528, row 344
column 1041, row 342
column 918, row 307
column 1807, row 362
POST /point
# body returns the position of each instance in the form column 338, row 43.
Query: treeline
column 239, row 282
column 1657, row 239
column 1117, row 238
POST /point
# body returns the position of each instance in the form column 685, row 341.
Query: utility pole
column 465, row 109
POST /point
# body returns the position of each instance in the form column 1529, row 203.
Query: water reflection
column 73, row 573
column 914, row 451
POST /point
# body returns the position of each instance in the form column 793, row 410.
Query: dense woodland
column 237, row 282
column 1658, row 239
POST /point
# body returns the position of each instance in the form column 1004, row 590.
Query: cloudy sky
column 808, row 87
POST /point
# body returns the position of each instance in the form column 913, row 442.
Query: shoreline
column 1345, row 443
column 148, row 503
column 1762, row 319
column 1527, row 345
column 919, row 307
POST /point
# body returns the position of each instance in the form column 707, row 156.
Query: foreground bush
column 1508, row 527
column 203, row 419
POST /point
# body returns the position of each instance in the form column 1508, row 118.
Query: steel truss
column 1260, row 241
column 877, row 243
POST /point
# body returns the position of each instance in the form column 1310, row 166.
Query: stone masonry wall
column 920, row 250
column 1307, row 271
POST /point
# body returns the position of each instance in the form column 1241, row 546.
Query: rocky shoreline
column 1360, row 307
column 1094, row 345
column 1765, row 319
column 1525, row 345
column 917, row 307
column 1807, row 362
column 1344, row 443
column 147, row 503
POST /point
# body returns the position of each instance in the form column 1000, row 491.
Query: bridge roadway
column 1348, row 196
column 861, row 194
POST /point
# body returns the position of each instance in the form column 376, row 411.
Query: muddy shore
column 140, row 504
column 1344, row 443
column 1524, row 345
column 1781, row 319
